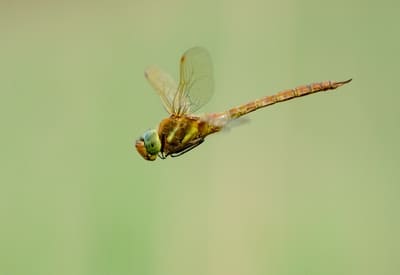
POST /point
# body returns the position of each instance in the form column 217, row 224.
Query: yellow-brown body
column 180, row 133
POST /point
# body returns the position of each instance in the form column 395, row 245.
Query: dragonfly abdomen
column 283, row 96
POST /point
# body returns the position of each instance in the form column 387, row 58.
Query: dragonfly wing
column 163, row 84
column 196, row 84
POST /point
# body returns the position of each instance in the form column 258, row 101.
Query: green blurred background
column 310, row 186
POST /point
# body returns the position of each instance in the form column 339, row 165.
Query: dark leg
column 192, row 144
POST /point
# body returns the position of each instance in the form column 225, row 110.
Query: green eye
column 152, row 142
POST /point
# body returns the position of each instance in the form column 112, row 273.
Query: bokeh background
column 310, row 186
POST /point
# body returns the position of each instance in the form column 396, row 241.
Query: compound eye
column 149, row 145
column 152, row 142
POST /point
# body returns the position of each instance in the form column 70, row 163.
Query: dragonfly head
column 149, row 145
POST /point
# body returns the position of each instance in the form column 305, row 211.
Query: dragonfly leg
column 191, row 145
column 161, row 155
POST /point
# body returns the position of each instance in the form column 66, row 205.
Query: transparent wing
column 196, row 84
column 163, row 84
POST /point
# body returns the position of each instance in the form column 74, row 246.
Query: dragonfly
column 182, row 130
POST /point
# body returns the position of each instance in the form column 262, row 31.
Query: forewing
column 164, row 85
column 196, row 84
